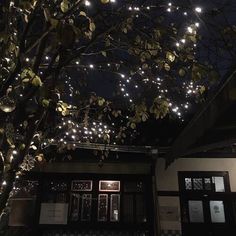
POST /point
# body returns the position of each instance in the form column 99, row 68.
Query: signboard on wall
column 196, row 211
column 169, row 213
column 53, row 213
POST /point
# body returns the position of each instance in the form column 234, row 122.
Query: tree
column 53, row 54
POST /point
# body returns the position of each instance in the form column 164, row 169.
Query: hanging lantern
column 7, row 104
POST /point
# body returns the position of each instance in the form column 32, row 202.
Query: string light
column 190, row 30
column 14, row 152
column 198, row 9
column 87, row 3
column 71, row 130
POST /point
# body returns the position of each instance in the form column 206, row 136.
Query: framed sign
column 53, row 213
column 109, row 186
column 82, row 185
column 196, row 211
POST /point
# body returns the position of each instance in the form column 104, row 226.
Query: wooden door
column 205, row 208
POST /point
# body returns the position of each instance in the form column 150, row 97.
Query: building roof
column 212, row 130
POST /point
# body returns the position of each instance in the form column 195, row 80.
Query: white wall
column 167, row 180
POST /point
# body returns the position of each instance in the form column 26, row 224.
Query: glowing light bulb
column 190, row 30
column 198, row 9
column 14, row 152
column 87, row 3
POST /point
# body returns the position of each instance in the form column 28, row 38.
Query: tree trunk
column 9, row 178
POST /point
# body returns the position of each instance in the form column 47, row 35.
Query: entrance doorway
column 206, row 209
column 96, row 204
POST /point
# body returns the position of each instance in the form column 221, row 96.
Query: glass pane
column 86, row 207
column 102, row 207
column 128, row 208
column 56, row 186
column 219, row 183
column 74, row 207
column 197, row 184
column 115, row 207
column 188, row 183
column 25, row 188
column 207, row 183
column 134, row 186
column 217, row 212
column 61, row 197
column 109, row 185
column 81, row 185
column 140, row 208
column 195, row 211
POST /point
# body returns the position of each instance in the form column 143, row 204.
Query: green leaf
column 37, row 81
column 22, row 146
column 82, row 13
column 107, row 42
column 64, row 6
column 92, row 26
column 26, row 80
column 104, row 53
column 133, row 125
column 170, row 56
column 101, row 101
column 105, row 1
column 202, row 89
column 144, row 117
column 54, row 22
column 167, row 67
column 45, row 102
column 182, row 72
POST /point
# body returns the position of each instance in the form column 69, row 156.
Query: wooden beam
column 209, row 147
column 151, row 150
